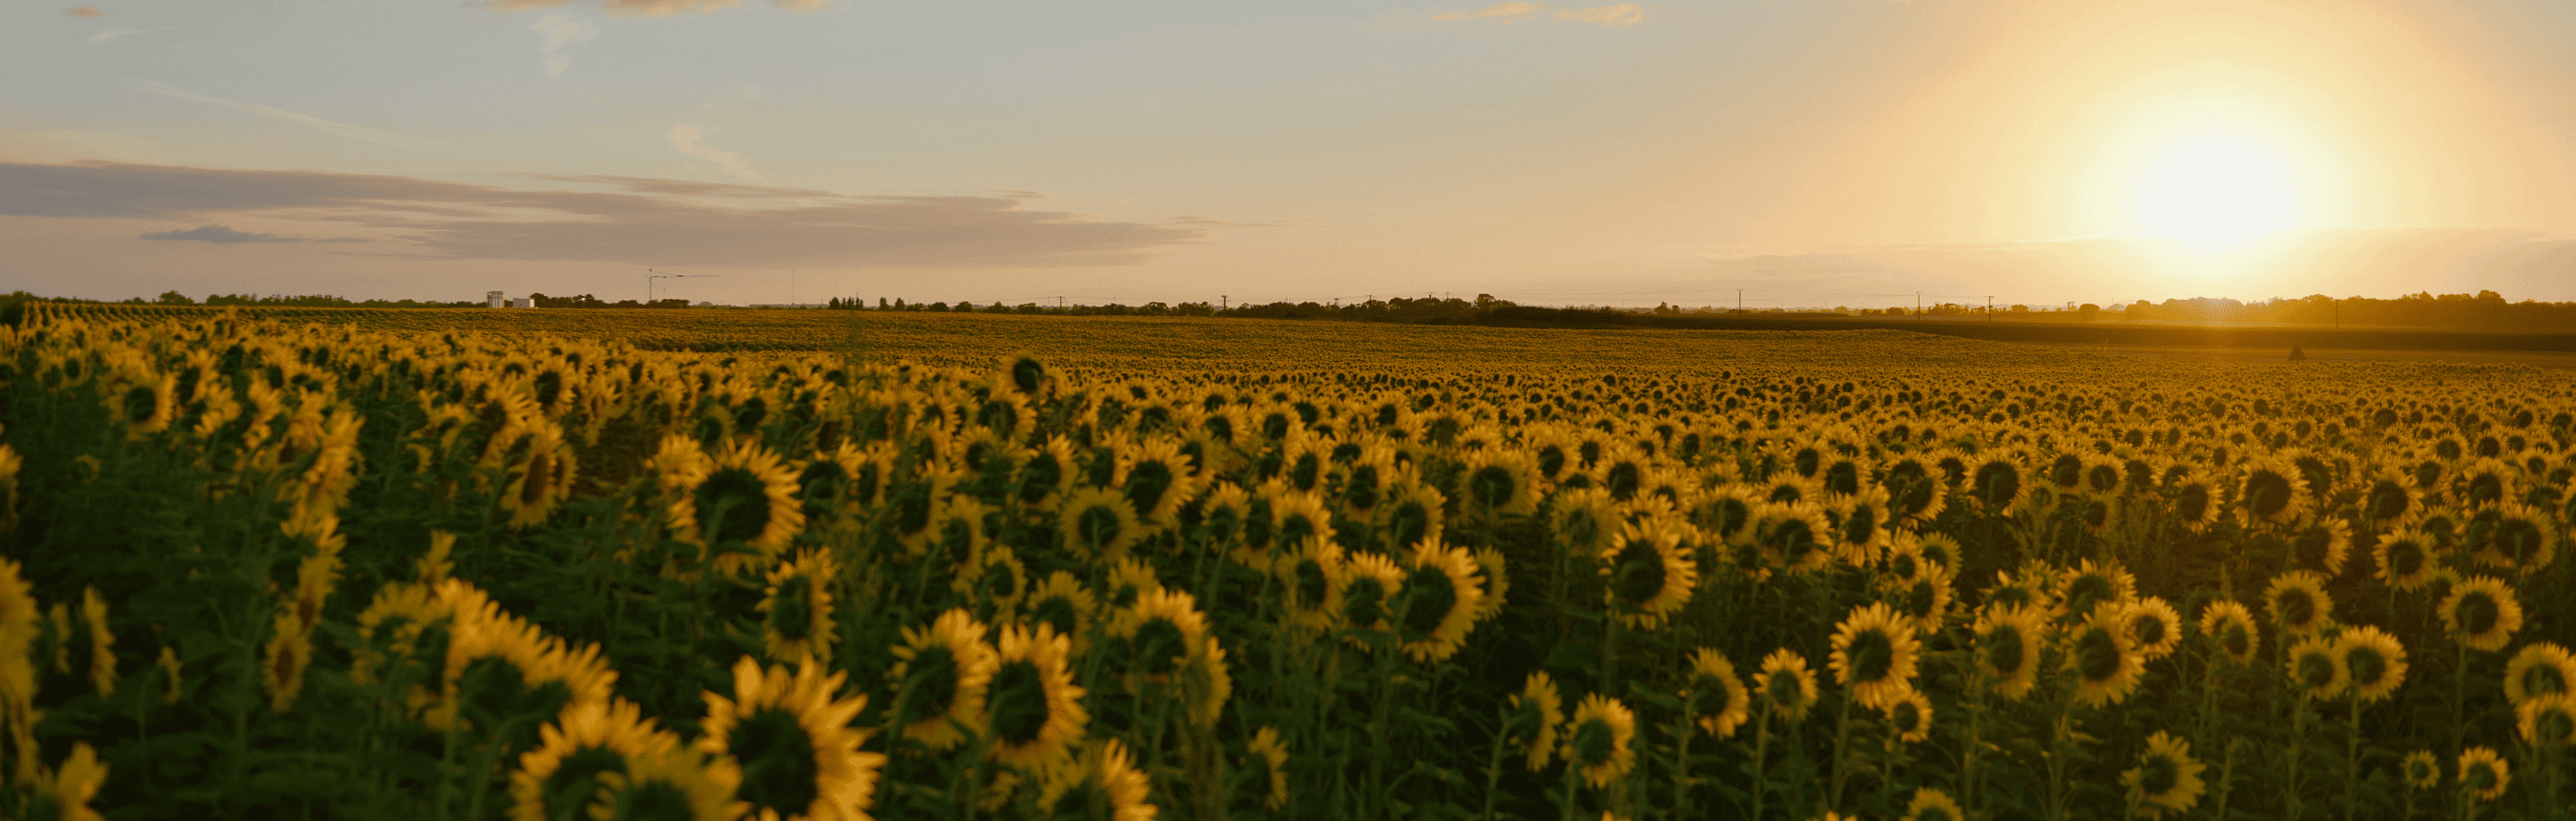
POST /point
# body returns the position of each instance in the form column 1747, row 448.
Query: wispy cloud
column 219, row 235
column 86, row 12
column 650, row 8
column 111, row 34
column 685, row 138
column 343, row 129
column 1504, row 13
column 562, row 33
column 648, row 221
column 1624, row 14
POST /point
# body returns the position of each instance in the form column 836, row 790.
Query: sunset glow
column 2215, row 191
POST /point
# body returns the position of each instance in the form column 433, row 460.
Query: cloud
column 1504, row 13
column 105, row 35
column 650, row 8
column 217, row 234
column 685, row 138
column 86, row 12
column 649, row 222
column 562, row 32
column 342, row 129
column 1624, row 14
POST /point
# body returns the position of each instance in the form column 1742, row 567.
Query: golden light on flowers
column 2483, row 774
column 1585, row 521
column 1874, row 655
column 679, row 783
column 2540, row 669
column 2420, row 771
column 1797, row 536
column 1787, row 685
column 1154, row 477
column 2299, row 602
column 1310, row 585
column 1714, row 697
column 2166, row 779
column 1647, row 574
column 2089, row 585
column 2547, row 721
column 2322, row 545
column 499, row 666
column 1536, row 712
column 1909, row 716
column 1598, row 739
column 2311, row 671
column 102, row 642
column 1931, row 804
column 2482, row 613
column 1370, row 584
column 1098, row 524
column 69, row 788
column 2230, row 626
column 1101, row 782
column 1266, row 758
column 2405, row 559
column 1161, row 629
column 2098, row 651
column 560, row 777
column 2154, row 628
column 798, row 755
column 2271, row 491
column 1063, row 603
column 2008, row 647
column 1032, row 707
column 747, row 497
column 2373, row 662
column 1442, row 595
column 941, row 674
column 796, row 613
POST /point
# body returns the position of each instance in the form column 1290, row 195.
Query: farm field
column 773, row 564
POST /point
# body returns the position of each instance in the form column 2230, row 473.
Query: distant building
column 523, row 302
column 496, row 299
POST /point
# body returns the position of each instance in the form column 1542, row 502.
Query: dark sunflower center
column 2236, row 640
column 932, row 677
column 2066, row 471
column 2097, row 655
column 1311, row 584
column 1057, row 611
column 1582, row 527
column 999, row 582
column 2478, row 613
column 2158, row 776
column 2267, row 493
column 1902, row 565
column 1795, row 539
column 1861, row 526
column 1592, row 743
column 2405, row 558
column 1907, row 717
column 1639, row 574
column 1364, row 603
column 2315, row 670
column 1622, row 480
column 2193, row 502
column 141, row 405
column 791, row 614
column 1492, row 486
column 2297, row 608
column 1296, row 529
column 2312, row 546
column 778, row 761
column 1843, row 476
column 2388, row 500
column 957, row 541
column 568, row 791
column 1872, row 655
column 1920, row 598
column 2149, row 629
column 2004, row 652
column 1160, row 645
column 2480, row 777
column 1409, row 524
column 2543, row 679
column 733, row 505
column 2367, row 665
column 1039, row 477
column 1147, row 482
column 1997, row 484
column 1783, row 688
column 2088, row 590
column 654, row 801
column 1097, row 526
column 1429, row 596
column 1305, row 471
column 1709, row 696
column 1359, row 489
column 1912, row 486
column 1019, row 703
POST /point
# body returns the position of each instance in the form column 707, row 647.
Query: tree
column 176, row 298
column 2089, row 312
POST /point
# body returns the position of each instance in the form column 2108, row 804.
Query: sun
column 2215, row 190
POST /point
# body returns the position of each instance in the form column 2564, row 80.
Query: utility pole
column 2338, row 314
column 1220, row 302
column 1990, row 309
column 1918, row 304
column 1739, row 300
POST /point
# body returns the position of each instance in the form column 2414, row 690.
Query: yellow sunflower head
column 65, row 792
column 1161, row 630
column 796, row 612
column 1995, row 481
column 1648, row 575
column 1062, row 602
column 1500, row 480
column 1909, row 716
column 2540, row 669
column 1033, row 709
column 2271, row 491
column 1370, row 583
column 1933, row 805
column 2154, row 628
column 1443, row 592
column 2389, row 497
column 2420, row 770
column 678, row 783
column 1795, row 536
column 2547, row 721
column 1787, row 686
column 793, row 741
column 1101, row 782
column 940, row 677
column 2482, row 613
column 1310, row 585
column 1715, row 697
column 562, row 775
column 2406, row 559
column 2299, row 602
column 2166, row 779
column 744, row 508
column 1598, row 739
column 2089, row 585
column 1265, row 761
column 1536, row 712
column 2483, row 773
column 1098, row 524
column 2311, row 669
column 1874, row 655
column 2230, row 628
column 1584, row 522
column 2373, row 662
column 2321, row 545
column 2099, row 652
column 2008, row 648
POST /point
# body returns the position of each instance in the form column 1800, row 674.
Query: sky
column 1785, row 153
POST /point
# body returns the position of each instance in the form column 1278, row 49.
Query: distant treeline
column 2487, row 310
column 1427, row 310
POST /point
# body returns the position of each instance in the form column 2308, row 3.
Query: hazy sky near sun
column 1811, row 152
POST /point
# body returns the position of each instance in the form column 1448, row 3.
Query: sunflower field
column 288, row 566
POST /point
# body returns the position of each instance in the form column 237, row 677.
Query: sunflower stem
column 2352, row 764
column 2291, row 803
column 1761, row 763
column 1842, row 734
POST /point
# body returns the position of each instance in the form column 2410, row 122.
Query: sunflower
column 1101, row 782
column 1874, row 655
column 282, row 663
column 678, row 783
column 500, row 667
column 2166, row 779
column 1154, row 477
column 1161, row 629
column 1222, row 514
column 1062, row 601
column 1933, row 805
column 2372, row 660
column 1536, row 712
column 1787, row 685
column 102, row 643
column 2322, row 545
column 2482, row 613
column 1715, row 699
column 2420, row 770
column 2312, row 670
column 1913, row 486
column 68, row 789
column 2195, row 501
column 1265, row 753
column 1597, row 739
column 2088, row 585
column 2008, row 647
column 2100, row 654
column 2512, row 536
column 1442, row 595
column 1498, row 581
column 1795, row 536
column 1724, row 513
column 746, row 497
column 1500, row 480
column 1129, row 579
column 2271, row 490
column 1647, row 574
column 2483, row 773
column 2547, row 721
column 2229, row 626
column 561, row 776
column 1370, row 583
column 1297, row 518
column 391, row 628
column 1410, row 515
column 2405, row 559
column 2033, row 587
column 996, row 581
column 2540, row 669
column 2388, row 498
column 539, row 480
column 953, row 538
column 1206, row 683
column 1860, row 529
column 1924, row 601
column 1045, row 476
column 2154, row 628
column 942, row 674
column 1909, row 716
column 1585, row 522
column 1995, row 481
column 1310, row 584
column 1033, row 706
column 1098, row 524
column 2299, row 602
